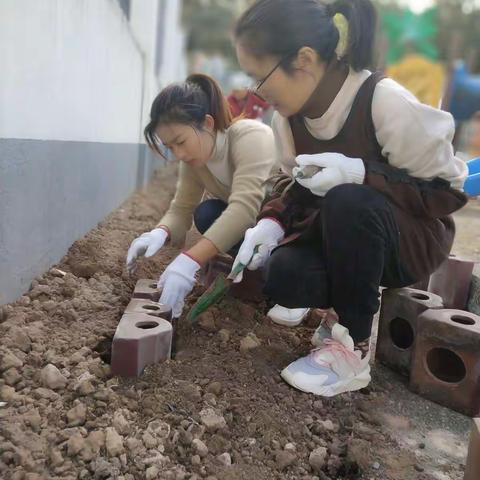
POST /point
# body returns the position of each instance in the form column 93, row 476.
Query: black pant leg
column 207, row 213
column 295, row 277
column 361, row 247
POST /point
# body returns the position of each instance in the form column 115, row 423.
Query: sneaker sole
column 350, row 385
column 288, row 323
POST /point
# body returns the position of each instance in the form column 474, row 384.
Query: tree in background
column 208, row 24
column 458, row 31
column 458, row 34
column 408, row 32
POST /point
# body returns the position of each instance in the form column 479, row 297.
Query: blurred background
column 431, row 47
column 79, row 76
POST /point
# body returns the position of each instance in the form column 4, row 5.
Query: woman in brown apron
column 370, row 180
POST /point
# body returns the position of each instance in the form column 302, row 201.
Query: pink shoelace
column 335, row 348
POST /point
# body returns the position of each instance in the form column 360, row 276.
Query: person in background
column 230, row 160
column 243, row 103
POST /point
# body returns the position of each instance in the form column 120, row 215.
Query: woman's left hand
column 177, row 282
column 335, row 169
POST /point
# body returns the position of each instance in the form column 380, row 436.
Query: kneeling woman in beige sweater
column 230, row 160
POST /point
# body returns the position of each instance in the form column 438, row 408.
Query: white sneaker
column 332, row 369
column 290, row 317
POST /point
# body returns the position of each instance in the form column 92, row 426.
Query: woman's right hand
column 148, row 244
column 265, row 235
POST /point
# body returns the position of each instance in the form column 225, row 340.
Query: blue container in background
column 472, row 183
column 464, row 93
column 473, row 166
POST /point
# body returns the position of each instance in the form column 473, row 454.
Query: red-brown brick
column 446, row 359
column 398, row 325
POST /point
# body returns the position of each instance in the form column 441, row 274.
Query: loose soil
column 216, row 411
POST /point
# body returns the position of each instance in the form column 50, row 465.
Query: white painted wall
column 174, row 64
column 155, row 26
column 70, row 71
column 76, row 84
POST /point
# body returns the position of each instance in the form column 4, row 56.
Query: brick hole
column 401, row 333
column 463, row 320
column 151, row 307
column 446, row 365
column 420, row 296
column 153, row 285
column 146, row 325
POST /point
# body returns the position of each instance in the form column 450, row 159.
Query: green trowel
column 216, row 291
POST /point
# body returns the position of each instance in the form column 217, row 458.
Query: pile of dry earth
column 219, row 410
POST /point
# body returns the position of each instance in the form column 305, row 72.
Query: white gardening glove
column 147, row 244
column 265, row 235
column 336, row 169
column 177, row 281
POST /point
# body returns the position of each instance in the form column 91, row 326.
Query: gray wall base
column 52, row 193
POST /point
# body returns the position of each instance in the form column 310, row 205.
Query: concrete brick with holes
column 452, row 281
column 397, row 329
column 446, row 359
column 420, row 335
column 147, row 289
column 144, row 334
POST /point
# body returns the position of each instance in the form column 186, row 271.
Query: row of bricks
column 438, row 348
column 145, row 333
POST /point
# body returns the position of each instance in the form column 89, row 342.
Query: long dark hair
column 188, row 103
column 283, row 27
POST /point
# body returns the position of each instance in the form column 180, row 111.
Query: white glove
column 177, row 282
column 147, row 244
column 266, row 234
column 337, row 169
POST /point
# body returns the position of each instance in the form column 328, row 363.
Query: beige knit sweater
column 243, row 158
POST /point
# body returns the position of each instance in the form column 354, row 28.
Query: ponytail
column 282, row 27
column 362, row 18
column 218, row 108
column 188, row 103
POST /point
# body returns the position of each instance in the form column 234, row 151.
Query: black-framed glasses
column 255, row 88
